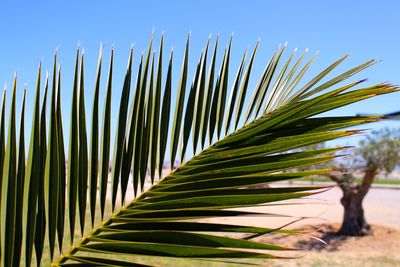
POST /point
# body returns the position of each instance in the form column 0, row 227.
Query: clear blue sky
column 31, row 30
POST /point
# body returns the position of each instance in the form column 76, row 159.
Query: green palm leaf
column 9, row 188
column 61, row 167
column 94, row 144
column 20, row 187
column 51, row 171
column 73, row 152
column 83, row 152
column 105, row 139
column 32, row 176
column 166, row 219
column 40, row 216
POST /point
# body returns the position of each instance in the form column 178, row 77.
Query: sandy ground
column 381, row 248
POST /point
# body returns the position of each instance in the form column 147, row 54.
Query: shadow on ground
column 327, row 234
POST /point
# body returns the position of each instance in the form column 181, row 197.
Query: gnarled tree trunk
column 354, row 223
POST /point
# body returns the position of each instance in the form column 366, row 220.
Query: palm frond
column 249, row 146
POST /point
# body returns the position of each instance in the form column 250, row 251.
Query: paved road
column 381, row 206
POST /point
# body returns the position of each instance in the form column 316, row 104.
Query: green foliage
column 164, row 219
column 380, row 150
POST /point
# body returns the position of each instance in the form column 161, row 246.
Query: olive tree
column 379, row 152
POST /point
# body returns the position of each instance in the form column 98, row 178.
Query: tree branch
column 337, row 177
column 369, row 176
